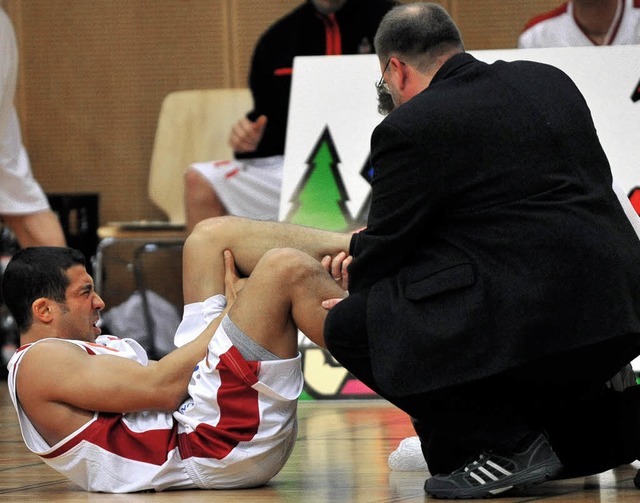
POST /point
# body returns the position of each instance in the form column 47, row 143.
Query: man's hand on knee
column 337, row 267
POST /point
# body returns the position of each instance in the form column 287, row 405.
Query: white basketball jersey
column 111, row 452
column 236, row 429
column 558, row 28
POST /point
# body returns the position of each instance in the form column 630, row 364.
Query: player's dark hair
column 37, row 272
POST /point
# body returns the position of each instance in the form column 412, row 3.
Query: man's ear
column 41, row 309
column 409, row 81
column 400, row 69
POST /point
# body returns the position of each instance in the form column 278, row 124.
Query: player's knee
column 289, row 266
column 210, row 232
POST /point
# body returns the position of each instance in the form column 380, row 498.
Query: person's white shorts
column 238, row 426
column 20, row 193
column 249, row 187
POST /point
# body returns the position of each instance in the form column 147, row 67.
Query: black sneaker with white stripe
column 491, row 474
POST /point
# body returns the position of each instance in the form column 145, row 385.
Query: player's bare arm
column 60, row 385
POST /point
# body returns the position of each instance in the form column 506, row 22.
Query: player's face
column 78, row 315
column 328, row 6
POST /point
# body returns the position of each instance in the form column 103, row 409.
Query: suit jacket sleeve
column 402, row 201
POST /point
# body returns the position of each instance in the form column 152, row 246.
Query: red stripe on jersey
column 15, row 367
column 110, row 433
column 232, row 173
column 90, row 351
column 220, row 164
column 14, row 370
column 558, row 11
column 239, row 411
column 279, row 72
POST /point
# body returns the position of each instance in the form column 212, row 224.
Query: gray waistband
column 249, row 349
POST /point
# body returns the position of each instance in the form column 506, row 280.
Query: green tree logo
column 320, row 198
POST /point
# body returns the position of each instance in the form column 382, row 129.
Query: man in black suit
column 496, row 288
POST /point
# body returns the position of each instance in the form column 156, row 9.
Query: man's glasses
column 382, row 85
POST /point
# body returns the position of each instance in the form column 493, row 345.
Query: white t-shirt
column 558, row 28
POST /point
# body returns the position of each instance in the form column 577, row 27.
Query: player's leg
column 284, row 292
column 36, row 229
column 249, row 240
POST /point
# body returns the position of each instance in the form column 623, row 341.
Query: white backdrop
column 338, row 92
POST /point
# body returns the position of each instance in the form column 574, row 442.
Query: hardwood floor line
column 30, row 487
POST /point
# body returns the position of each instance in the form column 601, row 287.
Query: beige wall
column 93, row 75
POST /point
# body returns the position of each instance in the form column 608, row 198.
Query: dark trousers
column 591, row 426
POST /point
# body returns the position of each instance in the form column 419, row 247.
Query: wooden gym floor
column 341, row 456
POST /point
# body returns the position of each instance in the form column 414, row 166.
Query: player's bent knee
column 214, row 228
column 289, row 265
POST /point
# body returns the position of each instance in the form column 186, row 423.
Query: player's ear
column 41, row 309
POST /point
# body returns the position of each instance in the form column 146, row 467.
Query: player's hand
column 232, row 282
column 246, row 135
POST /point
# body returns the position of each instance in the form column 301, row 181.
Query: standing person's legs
column 36, row 229
column 23, row 204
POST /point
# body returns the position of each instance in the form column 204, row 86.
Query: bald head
column 418, row 33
